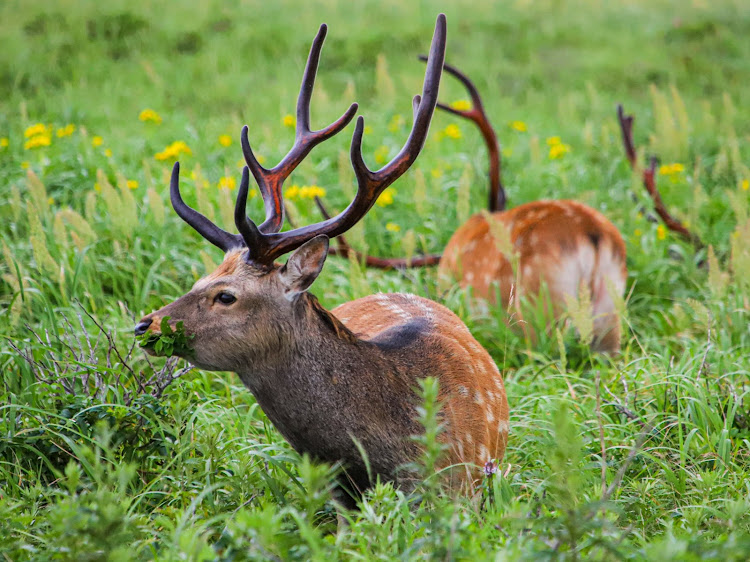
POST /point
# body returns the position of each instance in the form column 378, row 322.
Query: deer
column 552, row 246
column 337, row 383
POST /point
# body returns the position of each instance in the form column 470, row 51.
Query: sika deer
column 331, row 379
column 561, row 245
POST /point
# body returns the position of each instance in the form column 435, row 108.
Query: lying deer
column 558, row 246
column 330, row 380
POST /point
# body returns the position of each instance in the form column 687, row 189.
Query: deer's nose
column 142, row 326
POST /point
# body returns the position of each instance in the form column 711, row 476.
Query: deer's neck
column 327, row 386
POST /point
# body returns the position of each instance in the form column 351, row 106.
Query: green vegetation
column 103, row 456
column 167, row 342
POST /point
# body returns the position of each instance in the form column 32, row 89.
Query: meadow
column 108, row 455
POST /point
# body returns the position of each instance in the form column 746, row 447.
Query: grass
column 103, row 456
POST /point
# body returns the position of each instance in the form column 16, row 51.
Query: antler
column 344, row 249
column 649, row 180
column 265, row 243
column 477, row 114
column 265, row 247
column 271, row 181
column 202, row 225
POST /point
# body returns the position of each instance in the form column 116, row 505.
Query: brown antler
column 202, row 225
column 344, row 249
column 649, row 180
column 271, row 181
column 497, row 200
column 265, row 247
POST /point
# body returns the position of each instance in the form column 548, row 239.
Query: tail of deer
column 330, row 380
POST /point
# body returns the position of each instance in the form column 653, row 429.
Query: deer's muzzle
column 142, row 327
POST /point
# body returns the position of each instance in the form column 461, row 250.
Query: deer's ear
column 304, row 265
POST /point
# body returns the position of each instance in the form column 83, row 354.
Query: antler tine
column 371, row 184
column 202, row 225
column 250, row 233
column 626, row 128
column 649, row 181
column 476, row 100
column 497, row 198
column 271, row 181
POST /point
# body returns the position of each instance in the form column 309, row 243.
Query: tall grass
column 105, row 455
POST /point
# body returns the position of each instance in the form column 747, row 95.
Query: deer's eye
column 225, row 298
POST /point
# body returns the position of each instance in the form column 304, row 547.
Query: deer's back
column 561, row 244
column 427, row 339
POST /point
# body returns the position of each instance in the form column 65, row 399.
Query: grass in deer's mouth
column 169, row 341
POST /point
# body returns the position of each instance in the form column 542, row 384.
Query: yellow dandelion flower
column 50, row 200
column 149, row 115
column 261, row 159
column 452, row 131
column 368, row 130
column 66, row 131
column 397, row 121
column 292, row 192
column 392, row 227
column 34, row 130
column 386, row 198
column 519, row 126
column 661, row 232
column 638, row 232
column 507, row 152
column 381, row 154
column 311, row 192
column 225, row 140
column 553, row 141
column 289, row 120
column 173, row 150
column 436, row 173
column 180, row 147
column 744, row 184
column 461, row 105
column 4, row 142
column 132, row 184
column 108, row 153
column 38, row 141
column 97, row 141
column 97, row 187
column 227, row 182
column 558, row 150
column 671, row 169
column 25, row 165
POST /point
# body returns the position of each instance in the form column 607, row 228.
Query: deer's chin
column 206, row 363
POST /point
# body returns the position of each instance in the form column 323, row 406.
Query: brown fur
column 561, row 244
column 471, row 387
column 328, row 379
